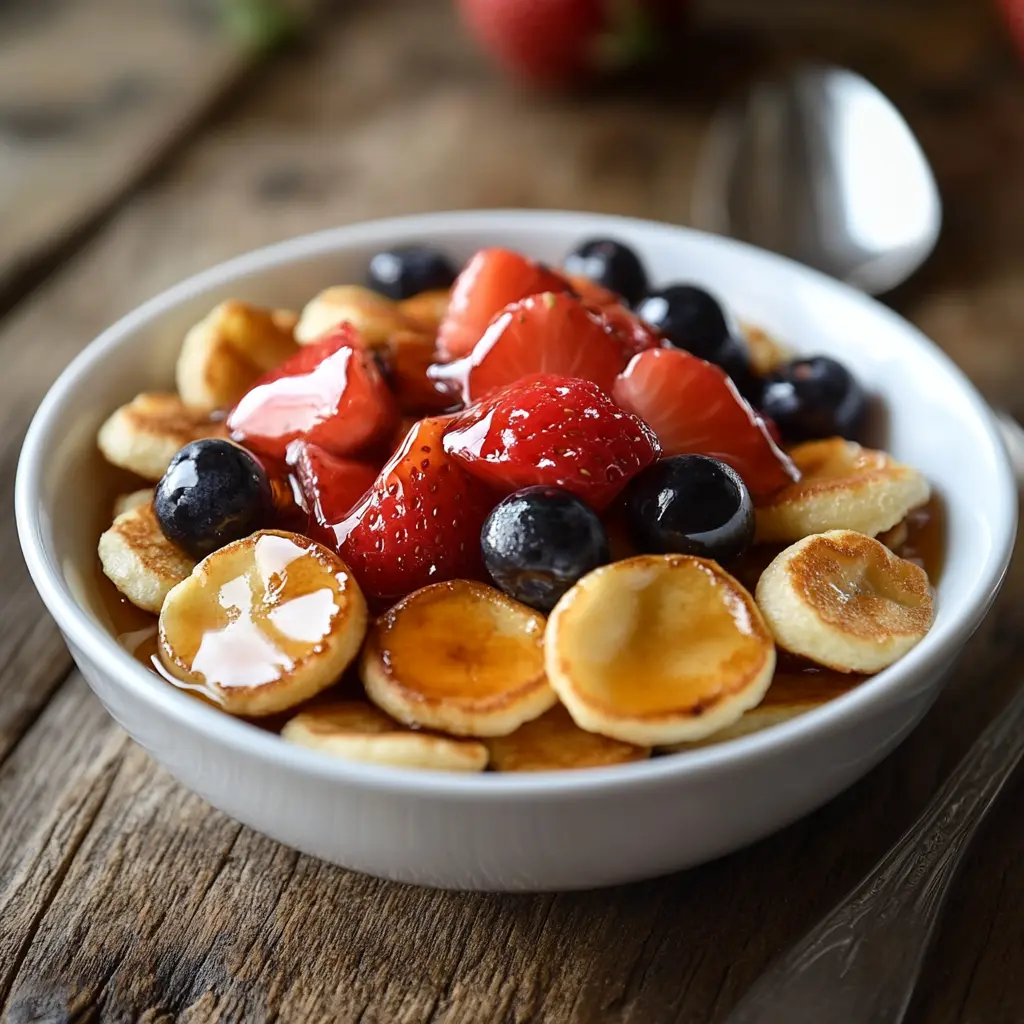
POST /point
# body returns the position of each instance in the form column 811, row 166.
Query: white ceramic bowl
column 549, row 830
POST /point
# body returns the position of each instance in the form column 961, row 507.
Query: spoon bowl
column 818, row 165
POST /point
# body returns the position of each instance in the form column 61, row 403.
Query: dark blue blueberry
column 612, row 265
column 692, row 319
column 690, row 505
column 408, row 270
column 814, row 398
column 213, row 492
column 539, row 541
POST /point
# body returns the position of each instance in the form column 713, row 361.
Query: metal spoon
column 820, row 166
column 795, row 167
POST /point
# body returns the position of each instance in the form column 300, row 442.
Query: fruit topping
column 693, row 505
column 330, row 393
column 355, row 730
column 842, row 486
column 459, row 657
column 845, row 601
column 611, row 264
column 556, row 431
column 545, row 333
column 213, row 492
column 658, row 649
column 539, row 541
column 634, row 334
column 420, row 521
column 263, row 624
column 491, row 280
column 695, row 409
column 815, row 398
column 331, row 487
column 405, row 271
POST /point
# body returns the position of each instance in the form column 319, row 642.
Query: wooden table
column 122, row 896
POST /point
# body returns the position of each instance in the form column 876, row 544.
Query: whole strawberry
column 420, row 521
column 554, row 43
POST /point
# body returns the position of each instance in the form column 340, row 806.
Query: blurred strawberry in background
column 1013, row 14
column 559, row 43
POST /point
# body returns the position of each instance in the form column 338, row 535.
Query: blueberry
column 612, row 265
column 690, row 318
column 690, row 505
column 813, row 398
column 539, row 541
column 213, row 492
column 408, row 270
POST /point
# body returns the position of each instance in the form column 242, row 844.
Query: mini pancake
column 228, row 351
column 658, row 649
column 358, row 731
column 554, row 742
column 126, row 502
column 139, row 560
column 263, row 624
column 460, row 657
column 144, row 435
column 845, row 600
column 427, row 308
column 842, row 487
column 374, row 316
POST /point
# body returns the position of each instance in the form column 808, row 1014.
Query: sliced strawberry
column 330, row 486
column 490, row 281
column 330, row 393
column 636, row 335
column 559, row 431
column 592, row 293
column 420, row 521
column 547, row 333
column 694, row 408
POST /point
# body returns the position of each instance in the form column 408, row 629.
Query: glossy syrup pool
column 795, row 682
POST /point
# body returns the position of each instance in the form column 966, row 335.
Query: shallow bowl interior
column 933, row 419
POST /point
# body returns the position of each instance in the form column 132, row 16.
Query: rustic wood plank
column 96, row 842
column 91, row 95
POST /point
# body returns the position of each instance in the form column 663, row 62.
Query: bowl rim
column 929, row 658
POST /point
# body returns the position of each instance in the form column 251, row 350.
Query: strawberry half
column 419, row 523
column 547, row 333
column 559, row 431
column 694, row 408
column 331, row 487
column 490, row 281
column 329, row 393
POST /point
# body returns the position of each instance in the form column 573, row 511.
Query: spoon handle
column 860, row 964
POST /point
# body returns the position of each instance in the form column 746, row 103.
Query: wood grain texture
column 91, row 95
column 123, row 897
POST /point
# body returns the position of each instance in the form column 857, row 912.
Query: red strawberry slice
column 547, row 333
column 490, row 281
column 330, row 486
column 420, row 521
column 330, row 393
column 560, row 431
column 636, row 335
column 694, row 408
column 590, row 292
